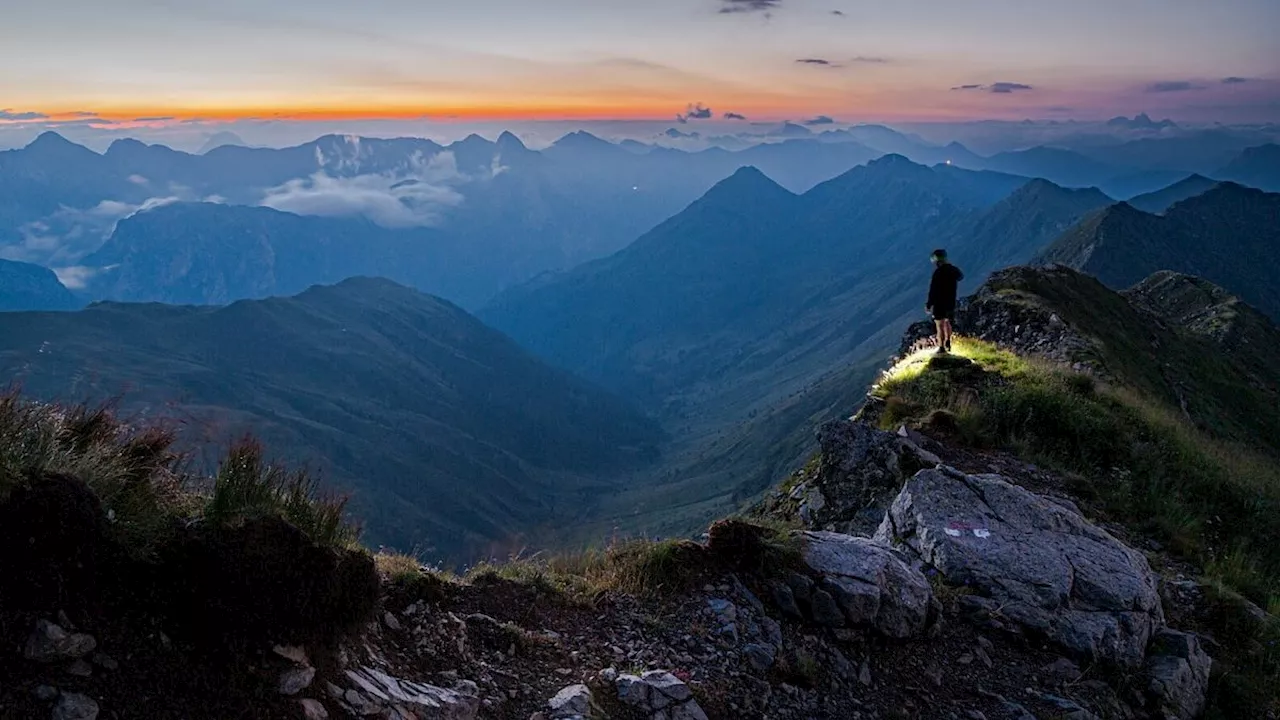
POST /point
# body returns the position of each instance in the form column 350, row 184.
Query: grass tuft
column 247, row 485
column 144, row 484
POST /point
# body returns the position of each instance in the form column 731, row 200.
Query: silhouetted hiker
column 942, row 296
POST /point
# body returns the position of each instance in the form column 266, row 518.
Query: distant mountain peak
column 125, row 146
column 892, row 160
column 582, row 138
column 1041, row 187
column 219, row 139
column 508, row 141
column 49, row 138
column 897, row 166
column 1141, row 121
column 51, row 145
column 746, row 184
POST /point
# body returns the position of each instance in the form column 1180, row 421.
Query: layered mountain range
column 450, row 437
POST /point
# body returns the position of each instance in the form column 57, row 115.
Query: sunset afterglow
column 155, row 61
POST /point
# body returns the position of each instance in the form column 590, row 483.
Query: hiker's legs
column 945, row 328
column 942, row 336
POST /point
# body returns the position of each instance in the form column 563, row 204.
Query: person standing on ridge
column 942, row 296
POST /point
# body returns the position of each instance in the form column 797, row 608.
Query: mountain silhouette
column 24, row 286
column 448, row 434
column 1225, row 235
column 1161, row 200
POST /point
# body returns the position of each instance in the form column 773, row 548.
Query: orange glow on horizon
column 588, row 109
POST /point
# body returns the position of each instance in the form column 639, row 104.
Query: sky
column 149, row 63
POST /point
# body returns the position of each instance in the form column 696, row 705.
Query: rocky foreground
column 923, row 586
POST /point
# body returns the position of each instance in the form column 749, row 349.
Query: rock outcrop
column 374, row 691
column 861, row 470
column 1178, row 675
column 1030, row 560
column 659, row 694
column 871, row 584
column 1009, row 318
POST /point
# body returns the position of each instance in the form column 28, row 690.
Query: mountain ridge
column 449, row 434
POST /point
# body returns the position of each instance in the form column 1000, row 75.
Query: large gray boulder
column 1177, row 675
column 1035, row 561
column 872, row 583
column 659, row 695
column 49, row 643
column 571, row 703
column 861, row 470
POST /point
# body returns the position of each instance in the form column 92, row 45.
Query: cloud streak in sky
column 734, row 116
column 1234, row 80
column 696, row 111
column 9, row 114
column 748, row 6
column 999, row 88
column 1170, row 86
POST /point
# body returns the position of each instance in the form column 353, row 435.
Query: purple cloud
column 1000, row 88
column 1234, row 80
column 695, row 111
column 748, row 6
column 9, row 114
column 814, row 61
column 734, row 116
column 1173, row 86
column 820, row 120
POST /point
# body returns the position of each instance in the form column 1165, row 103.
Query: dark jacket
column 942, row 290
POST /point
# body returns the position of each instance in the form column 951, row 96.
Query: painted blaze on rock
column 1038, row 560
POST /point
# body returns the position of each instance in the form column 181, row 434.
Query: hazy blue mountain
column 753, row 291
column 1256, row 167
column 1131, row 185
column 218, row 139
column 1142, row 121
column 993, row 186
column 1226, row 235
column 1201, row 151
column 1063, row 167
column 448, row 434
column 757, row 311
column 202, row 253
column 1160, row 200
column 1025, row 222
column 24, row 286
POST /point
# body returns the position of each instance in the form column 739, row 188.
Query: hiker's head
column 939, row 256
